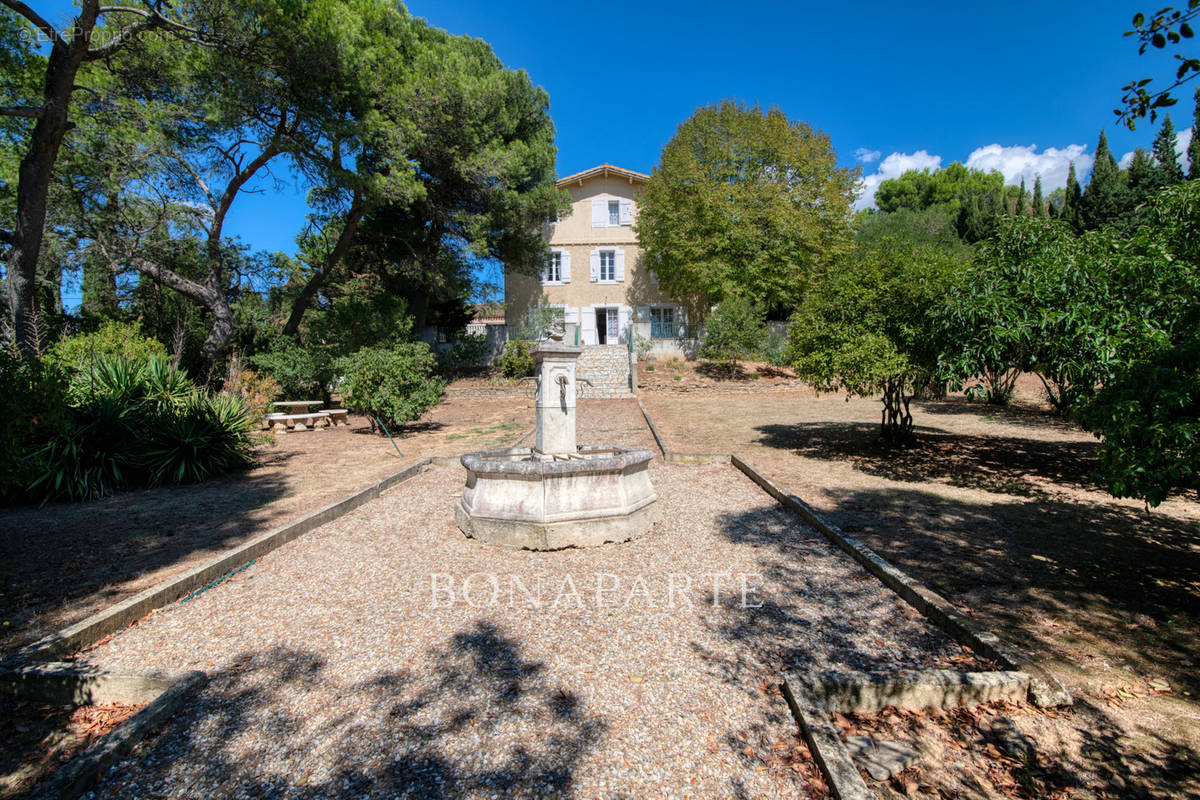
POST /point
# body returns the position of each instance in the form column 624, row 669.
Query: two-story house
column 594, row 277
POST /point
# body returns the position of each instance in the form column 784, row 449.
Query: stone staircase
column 607, row 367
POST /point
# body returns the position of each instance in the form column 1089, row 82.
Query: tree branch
column 33, row 17
column 173, row 280
column 28, row 112
column 120, row 39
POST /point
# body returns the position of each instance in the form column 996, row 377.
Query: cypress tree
column 1105, row 198
column 1164, row 153
column 1070, row 209
column 1019, row 211
column 1194, row 145
column 1038, row 208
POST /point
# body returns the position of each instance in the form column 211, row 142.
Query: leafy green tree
column 972, row 196
column 97, row 33
column 1165, row 157
column 393, row 383
column 485, row 142
column 1033, row 301
column 1106, row 197
column 737, row 329
column 1148, row 411
column 936, row 226
column 871, row 327
column 744, row 201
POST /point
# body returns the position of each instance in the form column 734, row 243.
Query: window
column 553, row 271
column 662, row 323
column 614, row 213
column 608, row 265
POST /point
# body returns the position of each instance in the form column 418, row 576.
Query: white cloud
column 894, row 166
column 867, row 156
column 1020, row 162
column 1182, row 140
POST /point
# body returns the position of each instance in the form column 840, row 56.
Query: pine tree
column 1194, row 145
column 1039, row 209
column 1106, row 197
column 1164, row 153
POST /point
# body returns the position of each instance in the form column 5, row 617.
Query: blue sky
column 1022, row 87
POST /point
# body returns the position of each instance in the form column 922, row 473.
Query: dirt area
column 676, row 375
column 62, row 562
column 997, row 509
column 35, row 739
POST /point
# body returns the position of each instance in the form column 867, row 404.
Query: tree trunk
column 896, row 424
column 36, row 171
column 317, row 279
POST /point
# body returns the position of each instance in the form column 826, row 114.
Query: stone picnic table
column 296, row 413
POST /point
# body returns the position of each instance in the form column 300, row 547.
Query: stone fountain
column 557, row 493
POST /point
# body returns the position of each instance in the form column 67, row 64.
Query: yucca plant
column 110, row 377
column 208, row 435
column 166, row 386
column 95, row 456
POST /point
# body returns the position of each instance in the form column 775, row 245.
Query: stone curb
column 1045, row 690
column 662, row 445
column 911, row 689
column 84, row 633
column 825, row 743
column 82, row 772
column 813, row 697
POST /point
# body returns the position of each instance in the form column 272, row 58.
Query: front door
column 606, row 326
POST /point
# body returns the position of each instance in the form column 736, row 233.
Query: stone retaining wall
column 607, row 366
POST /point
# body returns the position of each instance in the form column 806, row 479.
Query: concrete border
column 163, row 697
column 662, row 444
column 813, row 697
column 1045, row 690
column 825, row 744
column 911, row 689
column 88, row 631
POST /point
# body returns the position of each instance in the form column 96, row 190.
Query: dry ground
column 997, row 510
column 63, row 562
column 387, row 655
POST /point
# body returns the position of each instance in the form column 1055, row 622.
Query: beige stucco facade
column 596, row 275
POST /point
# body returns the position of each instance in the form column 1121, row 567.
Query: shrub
column 33, row 405
column 394, row 383
column 516, row 362
column 96, row 454
column 736, row 330
column 256, row 390
column 468, row 350
column 132, row 423
column 303, row 373
column 124, row 340
column 208, row 435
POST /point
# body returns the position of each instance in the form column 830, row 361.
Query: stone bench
column 337, row 415
column 297, row 422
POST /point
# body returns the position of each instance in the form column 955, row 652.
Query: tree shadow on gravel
column 1129, row 575
column 50, row 555
column 481, row 721
column 1006, row 465
column 1126, row 577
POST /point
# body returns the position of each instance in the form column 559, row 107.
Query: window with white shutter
column 594, row 266
column 599, row 212
column 566, row 267
column 626, row 212
column 619, row 275
column 608, row 266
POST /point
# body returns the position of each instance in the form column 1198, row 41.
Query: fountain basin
column 525, row 499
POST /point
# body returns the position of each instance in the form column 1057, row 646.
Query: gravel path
column 386, row 655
